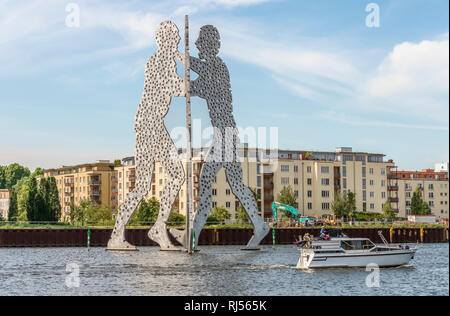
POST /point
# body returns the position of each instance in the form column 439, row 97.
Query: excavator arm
column 278, row 206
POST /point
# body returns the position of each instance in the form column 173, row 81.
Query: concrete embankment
column 138, row 237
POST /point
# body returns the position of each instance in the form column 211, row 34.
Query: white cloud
column 413, row 79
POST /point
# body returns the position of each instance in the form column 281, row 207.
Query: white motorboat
column 346, row 252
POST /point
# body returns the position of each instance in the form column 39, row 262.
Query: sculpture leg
column 245, row 196
column 117, row 241
column 208, row 172
column 175, row 174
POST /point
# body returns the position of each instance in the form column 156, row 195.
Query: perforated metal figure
column 213, row 85
column 153, row 142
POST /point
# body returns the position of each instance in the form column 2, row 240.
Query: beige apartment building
column 5, row 196
column 315, row 177
column 96, row 182
column 435, row 190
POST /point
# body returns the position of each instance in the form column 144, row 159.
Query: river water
column 216, row 270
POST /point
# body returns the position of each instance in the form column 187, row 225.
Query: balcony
column 68, row 193
column 393, row 188
column 94, row 182
column 392, row 176
column 95, row 193
column 394, row 199
column 268, row 186
column 268, row 198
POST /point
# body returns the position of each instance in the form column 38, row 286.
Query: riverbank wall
column 138, row 237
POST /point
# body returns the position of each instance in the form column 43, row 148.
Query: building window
column 371, row 170
column 227, row 192
column 372, row 206
column 364, row 185
column 364, row 193
column 344, row 171
column 431, row 186
column 431, row 203
column 295, row 169
column 214, row 204
column 296, row 181
column 214, row 191
column 383, row 183
column 284, row 168
column 344, row 183
column 309, row 194
column 372, row 195
column 309, row 181
column 258, row 180
column 431, row 195
column 371, row 182
column 325, row 206
column 364, row 172
column 284, row 181
column 296, row 194
column 308, row 169
column 325, row 194
column 383, row 171
column 309, row 206
column 228, row 204
column 325, row 181
column 383, row 195
column 325, row 169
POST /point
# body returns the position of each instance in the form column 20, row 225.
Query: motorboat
column 344, row 252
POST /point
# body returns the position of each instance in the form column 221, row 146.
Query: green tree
column 241, row 215
column 10, row 175
column 287, row 197
column 117, row 163
column 38, row 172
column 2, row 177
column 53, row 201
column 147, row 211
column 176, row 218
column 221, row 213
column 21, row 189
column 340, row 206
column 418, row 205
column 32, row 202
column 13, row 208
column 388, row 211
column 351, row 202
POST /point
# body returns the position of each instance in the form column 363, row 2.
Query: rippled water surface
column 216, row 270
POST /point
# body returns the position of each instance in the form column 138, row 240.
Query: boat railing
column 385, row 242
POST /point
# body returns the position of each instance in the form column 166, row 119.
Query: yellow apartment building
column 314, row 177
column 95, row 182
column 435, row 191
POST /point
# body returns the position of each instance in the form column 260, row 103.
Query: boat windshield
column 356, row 244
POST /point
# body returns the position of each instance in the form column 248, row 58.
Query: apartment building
column 5, row 195
column 314, row 176
column 95, row 182
column 435, row 190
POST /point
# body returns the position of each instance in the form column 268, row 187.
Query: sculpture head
column 208, row 42
column 167, row 36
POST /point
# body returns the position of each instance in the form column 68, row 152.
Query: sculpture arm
column 196, row 65
column 180, row 57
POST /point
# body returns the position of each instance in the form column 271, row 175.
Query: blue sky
column 311, row 68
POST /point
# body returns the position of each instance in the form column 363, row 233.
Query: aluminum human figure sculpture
column 213, row 85
column 153, row 142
